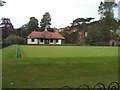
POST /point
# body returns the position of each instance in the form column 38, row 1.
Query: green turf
column 57, row 66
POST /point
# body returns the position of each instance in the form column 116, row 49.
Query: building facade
column 45, row 37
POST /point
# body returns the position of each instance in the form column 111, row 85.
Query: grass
column 57, row 66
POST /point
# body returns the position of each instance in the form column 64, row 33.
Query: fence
column 98, row 86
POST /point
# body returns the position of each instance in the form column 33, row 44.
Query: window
column 41, row 40
column 51, row 40
column 32, row 40
column 56, row 40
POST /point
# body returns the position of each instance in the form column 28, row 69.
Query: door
column 46, row 41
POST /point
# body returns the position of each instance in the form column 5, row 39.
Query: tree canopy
column 46, row 20
column 103, row 30
column 33, row 24
column 106, row 9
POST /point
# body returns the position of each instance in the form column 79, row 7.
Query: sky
column 62, row 12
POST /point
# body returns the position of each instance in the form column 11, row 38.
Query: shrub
column 14, row 39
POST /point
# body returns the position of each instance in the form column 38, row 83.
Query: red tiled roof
column 46, row 34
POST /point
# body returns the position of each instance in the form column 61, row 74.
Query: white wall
column 59, row 41
column 29, row 41
column 41, row 42
column 36, row 41
column 54, row 42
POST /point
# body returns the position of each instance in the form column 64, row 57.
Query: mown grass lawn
column 57, row 66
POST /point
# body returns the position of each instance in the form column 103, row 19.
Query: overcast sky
column 62, row 12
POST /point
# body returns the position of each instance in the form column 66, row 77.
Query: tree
column 2, row 3
column 73, row 37
column 107, row 21
column 24, row 31
column 14, row 39
column 66, row 34
column 106, row 9
column 97, row 35
column 99, row 32
column 7, row 27
column 45, row 21
column 33, row 24
column 107, row 15
column 80, row 23
column 94, row 34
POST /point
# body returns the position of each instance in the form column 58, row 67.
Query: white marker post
column 18, row 53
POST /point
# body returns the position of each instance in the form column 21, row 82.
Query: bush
column 14, row 39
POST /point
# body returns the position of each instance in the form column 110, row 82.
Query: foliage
column 94, row 34
column 97, row 33
column 24, row 31
column 106, row 9
column 107, row 22
column 100, row 31
column 65, row 33
column 45, row 21
column 14, row 39
column 74, row 37
column 80, row 23
column 7, row 27
column 33, row 24
column 2, row 3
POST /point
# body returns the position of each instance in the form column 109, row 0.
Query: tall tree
column 100, row 32
column 80, row 23
column 106, row 9
column 24, row 31
column 2, row 3
column 45, row 21
column 107, row 21
column 33, row 24
column 7, row 27
column 94, row 33
column 66, row 34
